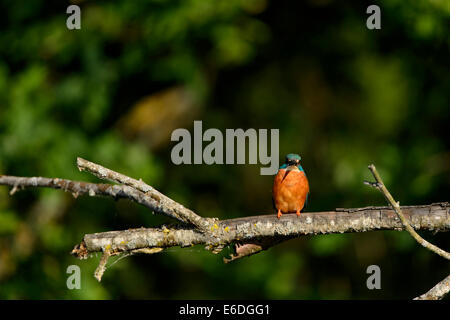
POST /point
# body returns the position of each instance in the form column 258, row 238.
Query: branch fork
column 443, row 287
column 248, row 235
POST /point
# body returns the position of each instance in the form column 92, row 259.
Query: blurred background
column 112, row 92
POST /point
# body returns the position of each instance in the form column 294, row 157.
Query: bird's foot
column 279, row 214
column 298, row 213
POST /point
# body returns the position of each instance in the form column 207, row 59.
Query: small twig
column 13, row 190
column 396, row 206
column 175, row 209
column 437, row 292
column 243, row 250
column 102, row 264
column 248, row 249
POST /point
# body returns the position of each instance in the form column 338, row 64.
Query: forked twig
column 396, row 206
column 169, row 206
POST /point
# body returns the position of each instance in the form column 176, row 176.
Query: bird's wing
column 307, row 195
column 275, row 182
column 306, row 201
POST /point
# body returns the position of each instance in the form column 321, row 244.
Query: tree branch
column 78, row 188
column 135, row 190
column 249, row 235
column 443, row 287
column 437, row 292
column 267, row 228
column 166, row 205
column 396, row 205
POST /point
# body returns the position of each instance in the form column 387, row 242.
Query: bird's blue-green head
column 293, row 159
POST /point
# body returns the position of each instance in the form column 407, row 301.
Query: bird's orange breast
column 290, row 189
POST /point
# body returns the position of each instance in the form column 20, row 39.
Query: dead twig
column 169, row 206
column 98, row 274
column 396, row 206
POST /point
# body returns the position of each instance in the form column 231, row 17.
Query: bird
column 290, row 190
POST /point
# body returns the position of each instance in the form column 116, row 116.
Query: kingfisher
column 290, row 187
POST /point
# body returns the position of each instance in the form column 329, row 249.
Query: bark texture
column 262, row 230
